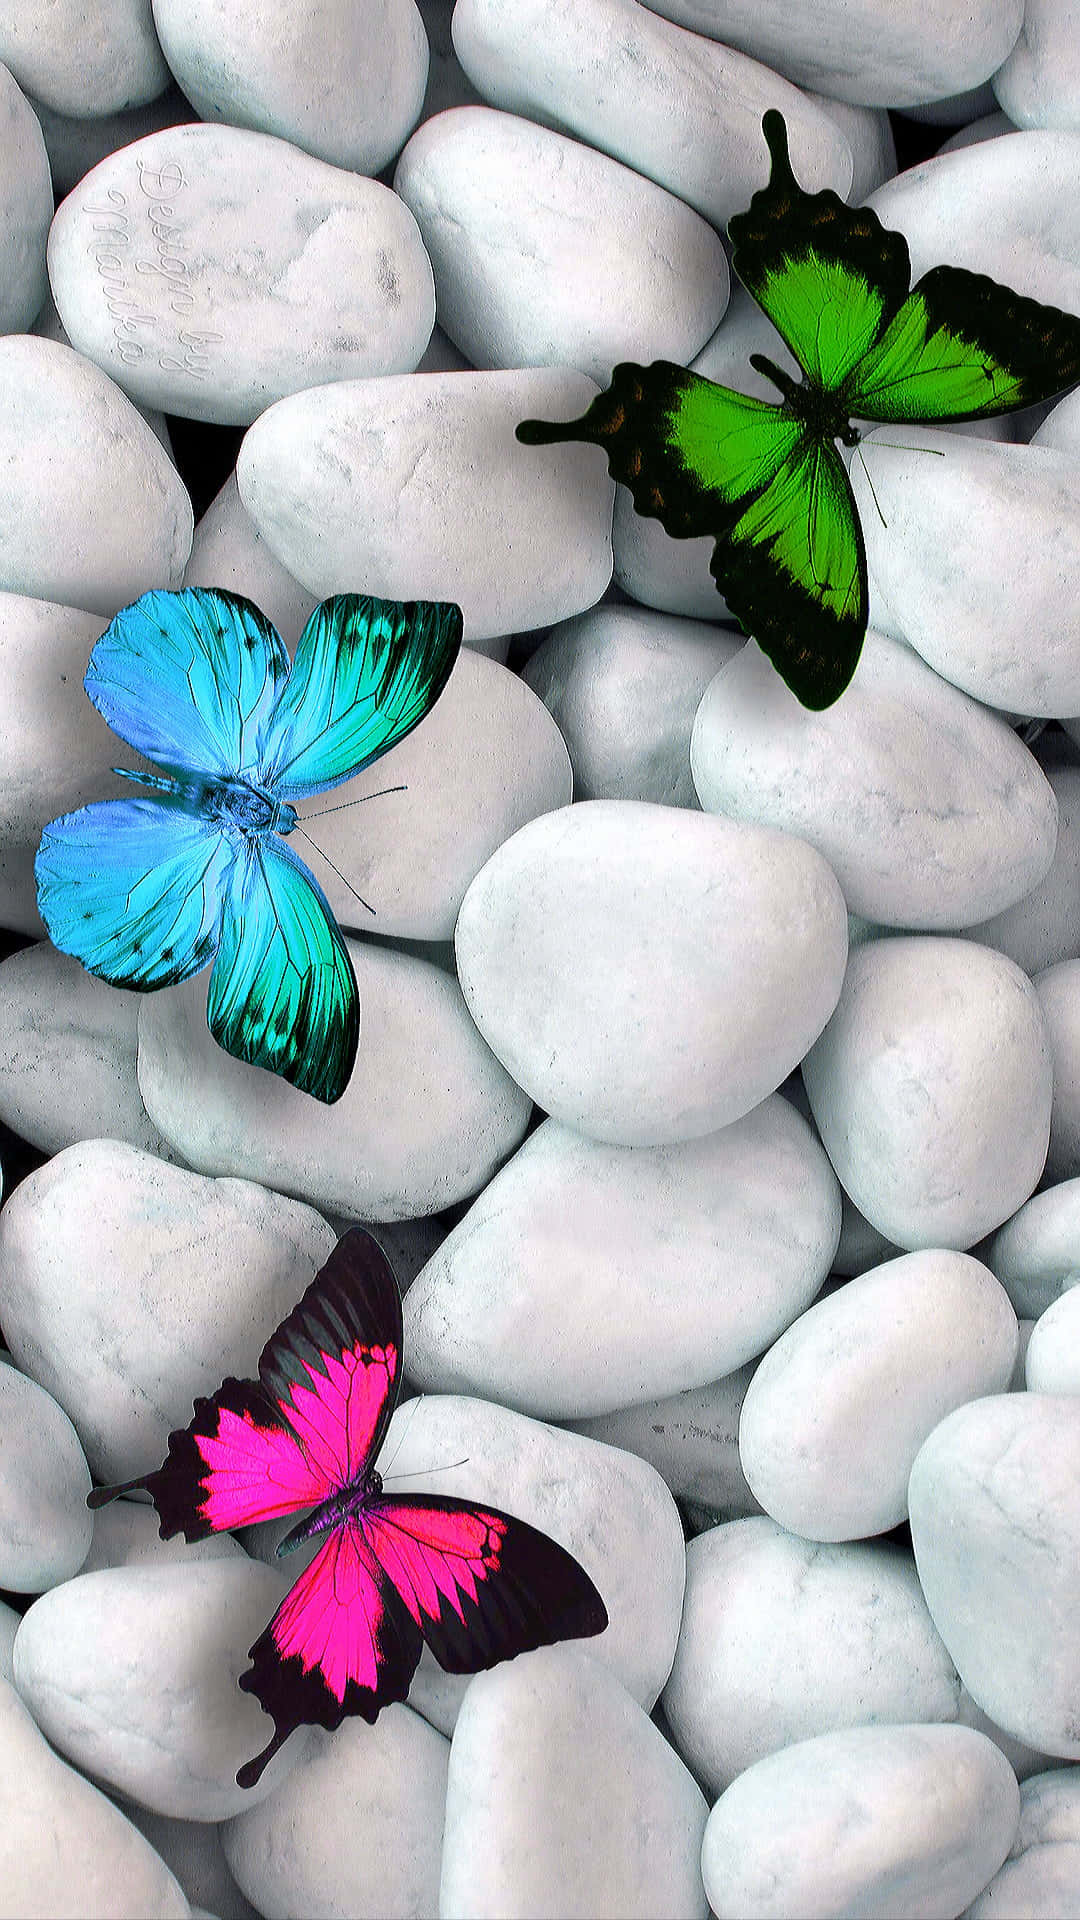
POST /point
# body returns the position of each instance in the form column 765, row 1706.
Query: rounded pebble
column 1036, row 1253
column 45, row 1527
column 691, row 1438
column 1039, row 84
column 1052, row 1362
column 85, row 56
column 228, row 551
column 1041, row 1877
column 1044, row 927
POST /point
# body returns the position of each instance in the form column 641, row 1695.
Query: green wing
column 703, row 459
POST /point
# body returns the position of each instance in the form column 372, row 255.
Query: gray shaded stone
column 192, row 1850
column 85, row 59
column 1040, row 1880
column 1058, row 989
column 1036, row 1254
column 1039, row 84
column 691, row 1438
column 1044, row 927
column 127, row 1533
column 26, row 206
column 45, row 1527
column 1052, row 1361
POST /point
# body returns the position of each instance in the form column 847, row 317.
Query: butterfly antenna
column 404, row 1433
column 417, row 1470
column 347, row 883
column 346, row 804
column 870, row 483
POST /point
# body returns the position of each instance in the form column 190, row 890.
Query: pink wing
column 477, row 1585
column 328, row 1379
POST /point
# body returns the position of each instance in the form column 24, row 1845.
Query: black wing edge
column 1039, row 344
column 176, row 1485
column 353, row 1300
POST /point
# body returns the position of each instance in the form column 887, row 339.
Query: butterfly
column 146, row 892
column 476, row 1584
column 765, row 479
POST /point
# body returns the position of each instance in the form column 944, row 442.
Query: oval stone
column 1037, row 1252
column 342, row 81
column 869, row 134
column 1058, row 989
column 623, row 685
column 1039, row 84
column 674, row 106
column 551, row 1745
column 677, row 1263
column 1044, row 926
column 929, row 809
column 132, row 1673
column 173, row 268
column 1052, row 1363
column 130, row 1286
column 92, row 510
column 841, row 1403
column 547, row 253
column 84, row 59
column 995, row 1525
column 419, row 489
column 569, row 936
column 691, row 1438
column 898, row 1822
column 25, row 209
column 931, row 1088
column 45, row 1527
column 1039, row 1880
column 426, row 1118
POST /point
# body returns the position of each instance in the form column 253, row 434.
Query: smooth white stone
column 563, row 1798
column 355, row 1832
column 931, row 1088
column 84, row 59
column 92, row 511
column 991, row 127
column 784, row 1638
column 1058, row 989
column 963, row 565
column 1041, row 1877
column 192, row 1850
column 419, row 490
column 1052, row 1364
column 672, row 105
column 547, row 253
column 75, row 143
column 624, row 686
column 1044, row 927
column 676, row 1263
column 996, row 1530
column 45, row 1527
column 9, row 1627
column 691, row 1438
column 1037, row 1252
column 1039, row 84
column 905, row 1823
column 426, row 1118
column 127, row 1534
column 67, row 1055
column 66, row 1853
column 25, row 208
column 869, row 134
column 172, row 268
column 341, row 81
column 569, row 936
column 228, row 551
column 1001, row 207
column 857, row 51
column 131, row 1286
column 132, row 1673
column 842, row 1402
column 929, row 809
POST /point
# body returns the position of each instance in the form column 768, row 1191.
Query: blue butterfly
column 146, row 892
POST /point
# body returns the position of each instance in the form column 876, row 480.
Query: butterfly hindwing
column 283, row 994
column 366, row 673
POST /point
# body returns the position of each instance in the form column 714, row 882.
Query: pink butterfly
column 477, row 1585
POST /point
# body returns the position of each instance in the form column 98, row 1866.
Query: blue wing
column 283, row 994
column 189, row 678
column 134, row 889
column 366, row 672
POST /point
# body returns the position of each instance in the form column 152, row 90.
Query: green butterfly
column 766, row 480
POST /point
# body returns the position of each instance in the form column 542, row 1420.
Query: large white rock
column 132, row 1673
column 995, row 1524
column 130, row 1286
column 671, row 104
column 65, row 1850
column 563, row 1798
column 1037, row 1252
column 1044, row 927
column 342, row 81
column 25, row 209
column 355, row 1831
column 569, row 939
column 173, row 269
column 624, row 685
column 675, row 1263
column 92, row 510
column 1039, row 1880
column 691, row 1438
column 842, row 1402
column 931, row 1088
column 84, row 59
column 857, row 52
column 1039, row 84
column 929, row 809
column 426, row 1118
column 869, row 134
column 67, row 1055
column 417, row 489
column 547, row 253
column 1052, row 1361
column 905, row 1823
column 45, row 1527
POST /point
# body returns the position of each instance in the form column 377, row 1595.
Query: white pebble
column 45, row 1527
column 1052, row 1363
column 1036, row 1253
column 84, row 58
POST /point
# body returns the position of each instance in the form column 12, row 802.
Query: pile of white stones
column 796, row 1303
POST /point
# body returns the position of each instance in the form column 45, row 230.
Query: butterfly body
column 766, row 480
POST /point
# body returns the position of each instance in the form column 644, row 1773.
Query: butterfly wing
column 703, row 459
column 366, row 672
column 189, row 678
column 283, row 994
column 134, row 889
